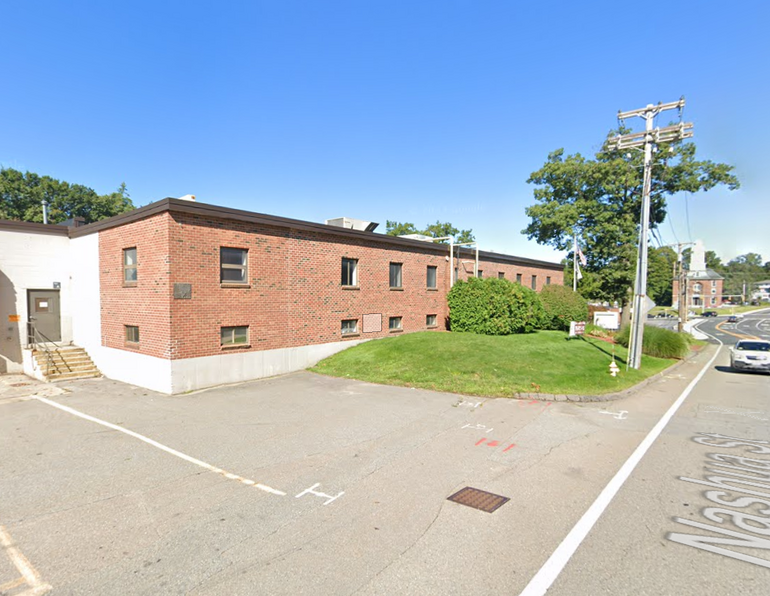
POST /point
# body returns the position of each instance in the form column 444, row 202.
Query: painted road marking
column 312, row 491
column 548, row 573
column 494, row 443
column 755, row 414
column 179, row 454
column 622, row 415
column 478, row 427
column 29, row 574
column 738, row 335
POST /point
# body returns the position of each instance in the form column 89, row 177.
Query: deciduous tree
column 600, row 199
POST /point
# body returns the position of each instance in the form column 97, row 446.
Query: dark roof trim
column 33, row 228
column 206, row 210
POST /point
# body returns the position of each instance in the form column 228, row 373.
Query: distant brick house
column 704, row 285
column 180, row 295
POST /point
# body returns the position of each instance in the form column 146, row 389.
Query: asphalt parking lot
column 299, row 484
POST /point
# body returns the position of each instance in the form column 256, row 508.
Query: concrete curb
column 611, row 396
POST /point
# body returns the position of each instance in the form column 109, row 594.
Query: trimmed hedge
column 493, row 306
column 658, row 342
column 562, row 305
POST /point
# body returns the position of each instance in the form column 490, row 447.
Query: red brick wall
column 294, row 296
column 146, row 304
column 491, row 268
column 705, row 293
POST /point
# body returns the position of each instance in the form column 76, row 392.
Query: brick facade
column 293, row 295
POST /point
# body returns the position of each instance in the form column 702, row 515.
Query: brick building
column 704, row 285
column 180, row 295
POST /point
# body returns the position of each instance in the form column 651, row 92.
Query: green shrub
column 658, row 342
column 494, row 306
column 561, row 306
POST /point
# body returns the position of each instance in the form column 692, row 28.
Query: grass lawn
column 499, row 366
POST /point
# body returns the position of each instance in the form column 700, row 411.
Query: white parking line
column 162, row 447
column 548, row 573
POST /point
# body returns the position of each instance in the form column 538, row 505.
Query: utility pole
column 680, row 275
column 647, row 139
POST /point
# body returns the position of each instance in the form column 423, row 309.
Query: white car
column 750, row 354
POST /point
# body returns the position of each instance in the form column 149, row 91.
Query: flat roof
column 31, row 227
column 214, row 211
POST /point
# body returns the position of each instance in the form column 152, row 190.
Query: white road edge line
column 544, row 578
column 160, row 446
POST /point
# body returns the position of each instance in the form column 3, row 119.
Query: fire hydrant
column 614, row 369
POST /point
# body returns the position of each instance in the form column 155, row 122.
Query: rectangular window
column 500, row 275
column 518, row 278
column 432, row 276
column 349, row 326
column 132, row 334
column 395, row 275
column 234, row 336
column 430, row 321
column 480, row 273
column 394, row 323
column 129, row 266
column 534, row 282
column 548, row 281
column 233, row 265
column 713, row 283
column 713, row 301
column 456, row 273
column 349, row 272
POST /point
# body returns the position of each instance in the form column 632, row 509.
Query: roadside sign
column 577, row 328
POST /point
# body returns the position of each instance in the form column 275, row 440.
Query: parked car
column 709, row 313
column 751, row 354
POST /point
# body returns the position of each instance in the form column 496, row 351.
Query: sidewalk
column 18, row 386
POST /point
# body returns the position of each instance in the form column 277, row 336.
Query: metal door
column 44, row 313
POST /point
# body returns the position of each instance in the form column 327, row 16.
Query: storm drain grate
column 478, row 499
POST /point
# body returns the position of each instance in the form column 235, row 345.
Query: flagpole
column 574, row 261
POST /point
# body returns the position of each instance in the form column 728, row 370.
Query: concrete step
column 66, row 362
column 73, row 375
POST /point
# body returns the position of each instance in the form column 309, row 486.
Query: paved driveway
column 298, row 484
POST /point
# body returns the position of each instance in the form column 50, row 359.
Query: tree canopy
column 21, row 196
column 600, row 200
column 436, row 230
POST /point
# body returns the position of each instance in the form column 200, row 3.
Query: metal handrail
column 32, row 341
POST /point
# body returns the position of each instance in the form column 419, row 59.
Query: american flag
column 581, row 256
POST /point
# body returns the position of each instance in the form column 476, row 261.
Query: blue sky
column 382, row 109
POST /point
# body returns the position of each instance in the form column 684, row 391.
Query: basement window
column 129, row 266
column 430, row 321
column 233, row 265
column 394, row 324
column 234, row 336
column 349, row 326
column 132, row 334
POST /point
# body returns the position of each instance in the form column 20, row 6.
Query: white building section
column 32, row 262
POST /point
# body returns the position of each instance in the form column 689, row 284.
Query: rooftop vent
column 187, row 198
column 352, row 224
